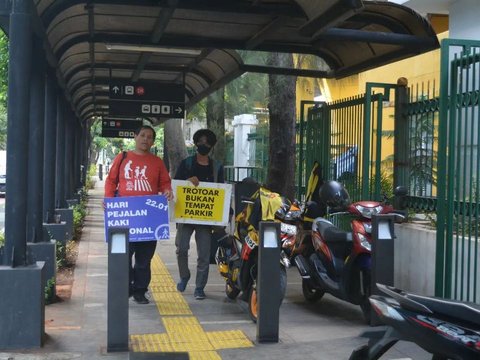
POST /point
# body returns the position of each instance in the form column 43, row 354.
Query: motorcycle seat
column 331, row 233
column 466, row 311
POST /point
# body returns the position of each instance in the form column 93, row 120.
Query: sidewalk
column 215, row 328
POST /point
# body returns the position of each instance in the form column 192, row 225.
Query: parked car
column 3, row 186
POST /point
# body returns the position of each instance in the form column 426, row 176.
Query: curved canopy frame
column 196, row 42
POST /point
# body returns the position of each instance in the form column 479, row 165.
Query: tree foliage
column 281, row 107
column 3, row 69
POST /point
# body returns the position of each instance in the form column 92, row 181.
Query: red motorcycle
column 338, row 261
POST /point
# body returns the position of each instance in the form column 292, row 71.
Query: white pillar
column 242, row 125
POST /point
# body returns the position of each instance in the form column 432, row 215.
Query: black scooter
column 445, row 328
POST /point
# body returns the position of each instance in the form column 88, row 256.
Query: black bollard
column 118, row 272
column 268, row 280
column 383, row 256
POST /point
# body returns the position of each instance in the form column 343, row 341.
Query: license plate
column 250, row 243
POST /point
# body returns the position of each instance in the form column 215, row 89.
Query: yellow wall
column 422, row 68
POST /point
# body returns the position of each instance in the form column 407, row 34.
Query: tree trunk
column 281, row 167
column 174, row 144
column 216, row 122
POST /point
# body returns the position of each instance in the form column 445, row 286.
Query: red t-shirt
column 138, row 175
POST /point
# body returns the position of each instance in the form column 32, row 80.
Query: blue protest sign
column 146, row 217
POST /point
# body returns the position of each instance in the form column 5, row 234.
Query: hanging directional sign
column 147, row 99
column 119, row 128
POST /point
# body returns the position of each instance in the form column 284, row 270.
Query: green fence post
column 400, row 156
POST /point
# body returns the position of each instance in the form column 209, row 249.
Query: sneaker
column 140, row 298
column 182, row 284
column 199, row 294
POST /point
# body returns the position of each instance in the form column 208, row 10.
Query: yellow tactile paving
column 188, row 337
column 162, row 288
column 178, row 322
column 171, row 304
column 183, row 333
column 204, row 355
column 228, row 339
column 226, row 335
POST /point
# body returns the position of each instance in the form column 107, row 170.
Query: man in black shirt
column 197, row 168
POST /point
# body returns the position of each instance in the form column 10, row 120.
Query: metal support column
column 60, row 164
column 17, row 140
column 68, row 152
column 50, row 150
column 401, row 156
column 22, row 308
column 268, row 282
column 84, row 154
column 36, row 142
column 77, row 157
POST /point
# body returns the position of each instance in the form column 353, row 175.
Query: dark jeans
column 140, row 273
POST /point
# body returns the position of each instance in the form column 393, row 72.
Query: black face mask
column 203, row 149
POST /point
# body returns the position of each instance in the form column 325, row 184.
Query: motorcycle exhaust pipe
column 302, row 266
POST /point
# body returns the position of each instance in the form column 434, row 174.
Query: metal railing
column 238, row 173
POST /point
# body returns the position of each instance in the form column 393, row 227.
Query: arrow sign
column 119, row 128
column 146, row 108
column 147, row 91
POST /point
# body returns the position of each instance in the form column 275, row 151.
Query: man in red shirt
column 136, row 173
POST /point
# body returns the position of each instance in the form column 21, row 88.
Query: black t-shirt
column 202, row 172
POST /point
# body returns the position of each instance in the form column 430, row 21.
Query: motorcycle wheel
column 365, row 303
column 252, row 304
column 252, row 297
column 310, row 293
column 231, row 291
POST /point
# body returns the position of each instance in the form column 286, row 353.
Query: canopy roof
column 195, row 41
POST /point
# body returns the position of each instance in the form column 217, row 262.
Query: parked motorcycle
column 297, row 223
column 237, row 255
column 289, row 230
column 337, row 261
column 447, row 329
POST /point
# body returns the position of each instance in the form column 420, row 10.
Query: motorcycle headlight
column 288, row 229
column 364, row 242
column 369, row 211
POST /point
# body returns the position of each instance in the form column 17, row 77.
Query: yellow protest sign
column 208, row 203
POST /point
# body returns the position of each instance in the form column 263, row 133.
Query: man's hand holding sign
column 146, row 217
column 132, row 201
column 201, row 200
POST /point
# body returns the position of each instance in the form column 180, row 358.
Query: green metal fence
column 345, row 137
column 458, row 255
column 422, row 112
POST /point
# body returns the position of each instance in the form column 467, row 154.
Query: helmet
column 282, row 211
column 334, row 195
